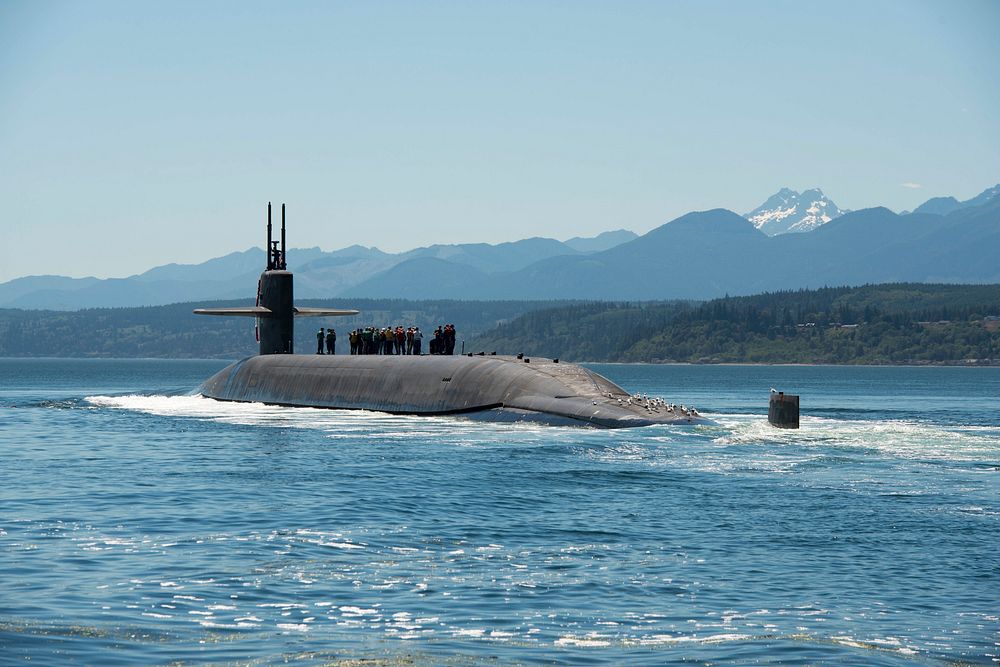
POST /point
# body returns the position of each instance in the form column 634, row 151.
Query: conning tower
column 275, row 310
column 275, row 293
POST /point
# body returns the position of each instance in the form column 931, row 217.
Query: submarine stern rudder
column 783, row 410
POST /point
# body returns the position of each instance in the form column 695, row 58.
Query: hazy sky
column 134, row 134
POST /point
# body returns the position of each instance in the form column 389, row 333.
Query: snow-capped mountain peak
column 789, row 211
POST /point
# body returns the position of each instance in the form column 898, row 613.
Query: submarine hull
column 493, row 388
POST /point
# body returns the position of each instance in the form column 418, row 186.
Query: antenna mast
column 267, row 248
column 281, row 259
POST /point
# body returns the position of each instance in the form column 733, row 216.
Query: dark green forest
column 874, row 324
column 175, row 332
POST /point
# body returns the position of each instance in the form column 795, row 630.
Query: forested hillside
column 881, row 324
column 174, row 331
column 875, row 324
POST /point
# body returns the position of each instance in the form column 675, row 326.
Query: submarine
column 476, row 386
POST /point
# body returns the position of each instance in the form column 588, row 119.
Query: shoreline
column 990, row 363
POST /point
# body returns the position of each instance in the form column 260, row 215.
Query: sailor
column 417, row 337
column 331, row 341
column 319, row 341
column 400, row 340
column 449, row 339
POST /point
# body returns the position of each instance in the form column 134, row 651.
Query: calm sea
column 141, row 524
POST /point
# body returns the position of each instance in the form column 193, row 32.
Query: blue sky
column 137, row 134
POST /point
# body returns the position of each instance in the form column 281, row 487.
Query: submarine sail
column 275, row 311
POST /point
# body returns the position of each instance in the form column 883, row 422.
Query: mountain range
column 318, row 274
column 697, row 256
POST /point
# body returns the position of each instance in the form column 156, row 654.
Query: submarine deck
column 433, row 384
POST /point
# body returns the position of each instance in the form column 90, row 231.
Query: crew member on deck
column 448, row 335
column 400, row 340
column 331, row 341
column 319, row 341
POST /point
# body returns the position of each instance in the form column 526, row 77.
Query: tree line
column 873, row 324
column 173, row 331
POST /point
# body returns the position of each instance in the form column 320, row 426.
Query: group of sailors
column 330, row 338
column 389, row 340
column 443, row 341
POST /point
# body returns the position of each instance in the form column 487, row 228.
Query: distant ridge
column 603, row 241
column 946, row 205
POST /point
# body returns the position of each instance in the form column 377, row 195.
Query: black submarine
column 489, row 387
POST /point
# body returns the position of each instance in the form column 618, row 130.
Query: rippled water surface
column 141, row 524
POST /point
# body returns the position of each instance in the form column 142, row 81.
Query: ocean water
column 140, row 524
